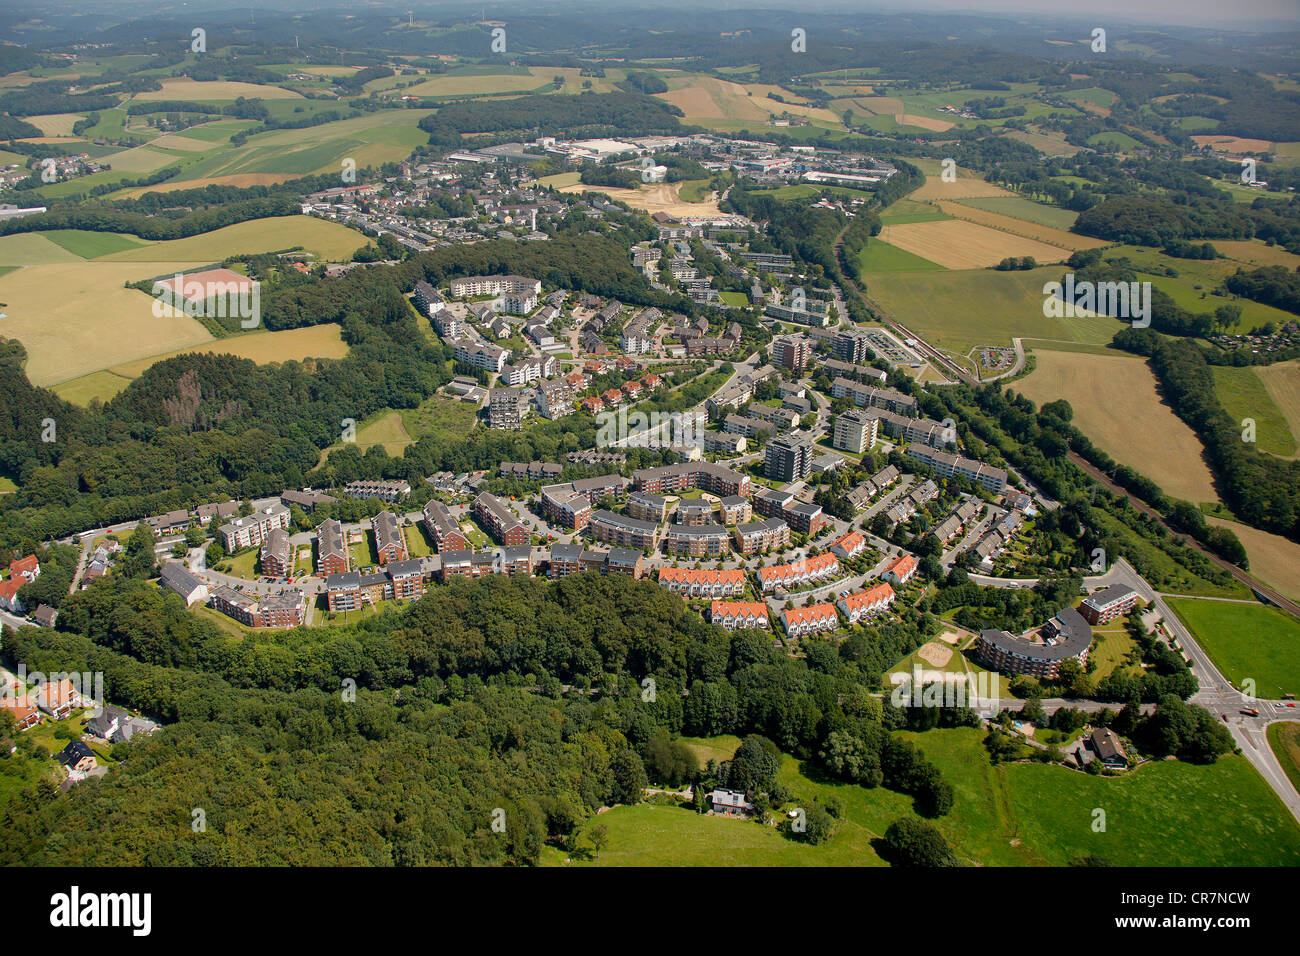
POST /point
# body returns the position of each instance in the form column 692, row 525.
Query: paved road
column 1245, row 578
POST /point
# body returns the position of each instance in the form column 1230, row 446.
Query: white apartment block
column 253, row 529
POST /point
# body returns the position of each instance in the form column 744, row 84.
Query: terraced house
column 815, row 619
column 739, row 615
column 863, row 604
column 796, row 574
column 703, row 582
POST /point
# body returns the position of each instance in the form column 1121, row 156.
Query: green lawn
column 1026, row 209
column 877, row 256
column 1109, row 650
column 738, row 299
column 1161, row 814
column 1284, row 738
column 417, row 541
column 1243, row 396
column 1246, row 641
column 911, row 210
column 92, row 245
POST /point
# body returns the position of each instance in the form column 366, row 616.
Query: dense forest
column 460, row 710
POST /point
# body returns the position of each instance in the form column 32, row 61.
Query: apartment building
column 713, row 478
column 443, row 528
column 500, row 520
column 869, row 396
column 735, row 509
column 506, row 408
column 770, row 534
column 286, row 609
column 252, row 529
column 647, row 507
column 624, row 531
column 947, row 465
column 1108, row 603
column 697, row 541
column 481, row 355
column 390, row 544
column 791, row 352
column 1067, row 636
column 473, row 286
column 332, row 556
column 851, row 346
column 276, row 557
column 789, row 458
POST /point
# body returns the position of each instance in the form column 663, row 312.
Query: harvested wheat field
column 965, row 186
column 239, row 179
column 880, row 105
column 55, row 124
column 1232, row 144
column 960, row 244
column 183, row 88
column 1257, row 253
column 1282, row 382
column 925, row 122
column 1275, row 560
column 659, row 197
column 1116, row 405
column 1021, row 227
column 708, row 98
column 76, row 318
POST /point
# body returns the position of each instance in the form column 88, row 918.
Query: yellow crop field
column 316, row 341
column 1232, row 144
column 183, row 88
column 77, row 317
column 239, row 179
column 1275, row 560
column 966, row 186
column 328, row 240
column 925, row 122
column 1117, row 406
column 32, row 249
column 1021, row 227
column 55, row 124
column 960, row 244
column 141, row 159
column 1257, row 253
column 1282, row 382
column 704, row 98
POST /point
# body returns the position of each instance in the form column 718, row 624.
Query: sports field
column 1246, row 640
column 1116, row 405
column 960, row 244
